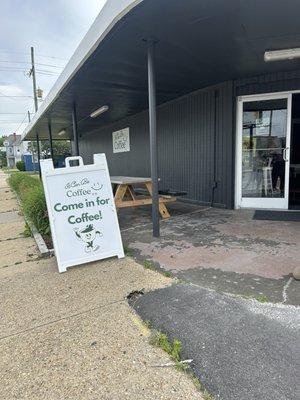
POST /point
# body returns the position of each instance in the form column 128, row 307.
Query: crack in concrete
column 9, row 211
column 63, row 319
column 13, row 238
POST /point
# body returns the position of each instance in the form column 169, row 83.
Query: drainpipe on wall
column 215, row 182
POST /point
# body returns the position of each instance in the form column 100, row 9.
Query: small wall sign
column 121, row 141
column 82, row 212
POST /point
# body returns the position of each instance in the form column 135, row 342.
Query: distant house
column 15, row 149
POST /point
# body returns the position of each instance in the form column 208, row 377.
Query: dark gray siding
column 276, row 82
column 186, row 140
column 133, row 163
column 189, row 146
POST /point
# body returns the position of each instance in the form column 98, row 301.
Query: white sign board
column 262, row 126
column 121, row 141
column 82, row 212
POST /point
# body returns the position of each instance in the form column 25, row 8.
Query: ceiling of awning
column 199, row 43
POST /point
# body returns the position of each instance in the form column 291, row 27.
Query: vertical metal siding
column 186, row 138
column 185, row 145
column 276, row 82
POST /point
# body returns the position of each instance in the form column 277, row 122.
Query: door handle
column 284, row 155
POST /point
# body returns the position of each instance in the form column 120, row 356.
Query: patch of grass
column 27, row 231
column 174, row 348
column 128, row 252
column 148, row 265
column 8, row 170
column 206, row 395
column 196, row 382
column 262, row 298
column 148, row 324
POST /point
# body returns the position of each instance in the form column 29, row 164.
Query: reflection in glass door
column 263, row 140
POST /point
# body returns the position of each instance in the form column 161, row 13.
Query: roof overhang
column 200, row 43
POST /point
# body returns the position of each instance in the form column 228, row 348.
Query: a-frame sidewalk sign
column 82, row 213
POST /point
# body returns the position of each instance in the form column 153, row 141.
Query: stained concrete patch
column 241, row 349
column 11, row 230
column 243, row 284
column 14, row 252
column 8, row 205
column 257, row 256
column 7, row 195
column 11, row 216
column 182, row 255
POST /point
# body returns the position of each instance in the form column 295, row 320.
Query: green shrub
column 15, row 179
column 31, row 193
column 20, row 165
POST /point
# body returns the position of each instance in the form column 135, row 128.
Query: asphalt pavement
column 241, row 349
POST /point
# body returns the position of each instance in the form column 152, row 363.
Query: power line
column 11, row 69
column 54, row 58
column 12, row 113
column 10, row 122
column 38, row 54
column 40, row 71
column 14, row 62
column 21, row 123
column 47, row 71
column 12, row 97
column 27, row 62
column 22, row 69
column 15, row 122
column 50, row 65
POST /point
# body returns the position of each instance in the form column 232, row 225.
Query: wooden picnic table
column 126, row 196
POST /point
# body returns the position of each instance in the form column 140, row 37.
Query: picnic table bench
column 125, row 194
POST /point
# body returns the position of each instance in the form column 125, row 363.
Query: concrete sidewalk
column 73, row 335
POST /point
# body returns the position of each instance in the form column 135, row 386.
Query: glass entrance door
column 263, row 151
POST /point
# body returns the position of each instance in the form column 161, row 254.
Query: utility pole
column 32, row 73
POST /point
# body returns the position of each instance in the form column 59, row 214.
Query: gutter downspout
column 215, row 182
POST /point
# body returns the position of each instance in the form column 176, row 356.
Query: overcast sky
column 54, row 28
